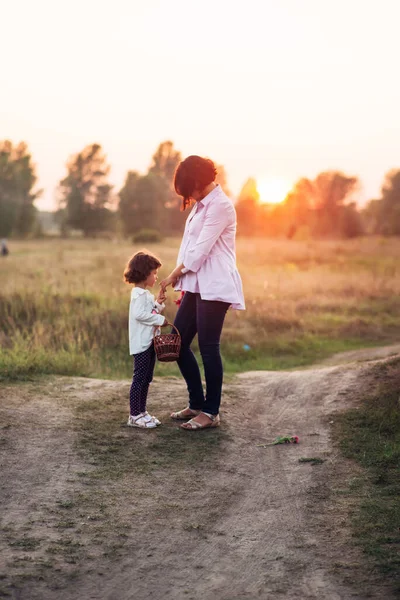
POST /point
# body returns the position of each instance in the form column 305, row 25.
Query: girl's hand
column 161, row 297
column 170, row 280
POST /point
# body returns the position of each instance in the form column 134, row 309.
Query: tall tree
column 387, row 209
column 330, row 191
column 321, row 207
column 371, row 216
column 164, row 163
column 298, row 206
column 248, row 208
column 351, row 222
column 17, row 180
column 85, row 193
column 142, row 202
column 129, row 208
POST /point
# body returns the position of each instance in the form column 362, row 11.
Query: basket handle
column 166, row 325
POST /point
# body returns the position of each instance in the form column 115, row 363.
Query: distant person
column 4, row 248
column 208, row 275
column 144, row 315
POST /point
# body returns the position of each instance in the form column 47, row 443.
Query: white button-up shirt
column 208, row 251
column 143, row 319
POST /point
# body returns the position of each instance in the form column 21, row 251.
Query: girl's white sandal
column 143, row 421
column 156, row 421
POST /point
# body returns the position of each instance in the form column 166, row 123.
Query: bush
column 146, row 236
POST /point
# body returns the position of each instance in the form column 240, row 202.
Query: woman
column 207, row 273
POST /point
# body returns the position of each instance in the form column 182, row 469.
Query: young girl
column 144, row 315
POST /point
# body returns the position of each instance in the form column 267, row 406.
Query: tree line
column 319, row 208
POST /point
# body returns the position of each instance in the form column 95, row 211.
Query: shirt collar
column 137, row 291
column 211, row 195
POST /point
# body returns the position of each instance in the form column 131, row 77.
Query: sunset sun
column 272, row 190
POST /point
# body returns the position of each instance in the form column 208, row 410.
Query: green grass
column 64, row 307
column 281, row 352
column 370, row 434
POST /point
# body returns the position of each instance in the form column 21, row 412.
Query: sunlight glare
column 272, row 190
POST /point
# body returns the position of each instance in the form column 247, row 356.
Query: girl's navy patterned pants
column 142, row 375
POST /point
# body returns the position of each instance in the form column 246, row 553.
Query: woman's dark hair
column 194, row 173
column 140, row 266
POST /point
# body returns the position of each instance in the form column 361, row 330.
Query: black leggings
column 206, row 318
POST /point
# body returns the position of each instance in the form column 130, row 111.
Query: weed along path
column 91, row 509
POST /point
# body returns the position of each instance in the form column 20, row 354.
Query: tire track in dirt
column 257, row 557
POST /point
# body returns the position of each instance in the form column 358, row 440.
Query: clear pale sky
column 269, row 88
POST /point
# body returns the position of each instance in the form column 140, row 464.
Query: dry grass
column 64, row 306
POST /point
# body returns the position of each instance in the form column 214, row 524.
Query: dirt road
column 92, row 509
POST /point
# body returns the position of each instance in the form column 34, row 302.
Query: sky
column 274, row 89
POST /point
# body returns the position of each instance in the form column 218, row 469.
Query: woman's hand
column 172, row 277
column 170, row 280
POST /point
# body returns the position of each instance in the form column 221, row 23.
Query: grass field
column 370, row 434
column 64, row 306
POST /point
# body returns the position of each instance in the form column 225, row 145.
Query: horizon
column 276, row 92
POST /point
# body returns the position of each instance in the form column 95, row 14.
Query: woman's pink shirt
column 208, row 251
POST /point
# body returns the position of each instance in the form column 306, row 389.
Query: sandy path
column 255, row 524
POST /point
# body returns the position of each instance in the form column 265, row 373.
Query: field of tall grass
column 64, row 305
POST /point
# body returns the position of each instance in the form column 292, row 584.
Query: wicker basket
column 167, row 345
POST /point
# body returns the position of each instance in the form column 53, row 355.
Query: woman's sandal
column 193, row 425
column 181, row 416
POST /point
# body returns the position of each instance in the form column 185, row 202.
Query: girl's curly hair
column 140, row 266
